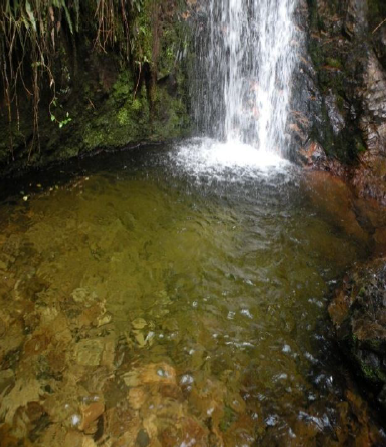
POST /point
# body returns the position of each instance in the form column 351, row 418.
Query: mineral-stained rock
column 208, row 398
column 312, row 156
column 55, row 436
column 56, row 357
column 73, row 439
column 8, row 439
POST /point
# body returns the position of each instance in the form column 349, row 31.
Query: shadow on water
column 147, row 304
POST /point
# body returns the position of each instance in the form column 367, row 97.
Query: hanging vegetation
column 39, row 39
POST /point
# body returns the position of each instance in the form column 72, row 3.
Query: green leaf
column 76, row 5
column 30, row 14
column 68, row 18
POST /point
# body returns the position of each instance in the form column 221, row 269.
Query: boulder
column 358, row 312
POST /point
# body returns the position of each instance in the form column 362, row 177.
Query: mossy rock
column 362, row 331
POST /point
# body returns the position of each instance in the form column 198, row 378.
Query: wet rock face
column 358, row 312
column 340, row 95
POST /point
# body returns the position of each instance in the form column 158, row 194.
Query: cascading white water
column 277, row 58
column 247, row 52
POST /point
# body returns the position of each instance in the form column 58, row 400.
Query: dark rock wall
column 358, row 312
column 341, row 108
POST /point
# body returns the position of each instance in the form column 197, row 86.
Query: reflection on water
column 141, row 308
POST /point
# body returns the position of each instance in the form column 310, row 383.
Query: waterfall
column 246, row 57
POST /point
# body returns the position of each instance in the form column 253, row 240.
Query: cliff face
column 341, row 121
column 108, row 82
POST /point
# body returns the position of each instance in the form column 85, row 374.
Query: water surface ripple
column 143, row 304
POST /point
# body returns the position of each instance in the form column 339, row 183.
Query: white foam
column 232, row 158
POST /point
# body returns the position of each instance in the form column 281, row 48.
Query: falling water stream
column 177, row 296
column 246, row 57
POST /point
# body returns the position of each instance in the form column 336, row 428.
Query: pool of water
column 144, row 302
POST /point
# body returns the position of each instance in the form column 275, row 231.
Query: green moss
column 315, row 20
column 368, row 372
column 172, row 120
column 108, row 103
column 335, row 63
column 171, row 43
column 373, row 374
column 142, row 35
column 316, row 53
column 123, row 87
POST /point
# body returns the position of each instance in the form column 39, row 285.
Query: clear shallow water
column 149, row 302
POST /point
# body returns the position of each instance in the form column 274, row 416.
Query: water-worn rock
column 358, row 312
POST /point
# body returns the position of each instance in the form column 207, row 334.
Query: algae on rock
column 102, row 92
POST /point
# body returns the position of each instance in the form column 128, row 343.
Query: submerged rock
column 89, row 352
column 91, row 412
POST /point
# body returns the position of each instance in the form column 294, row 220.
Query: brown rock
column 120, row 420
column 3, row 328
column 90, row 413
column 89, row 352
column 241, row 432
column 36, row 345
column 152, row 373
column 187, row 432
column 369, row 177
column 137, row 397
column 313, row 157
column 57, row 358
column 333, row 197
